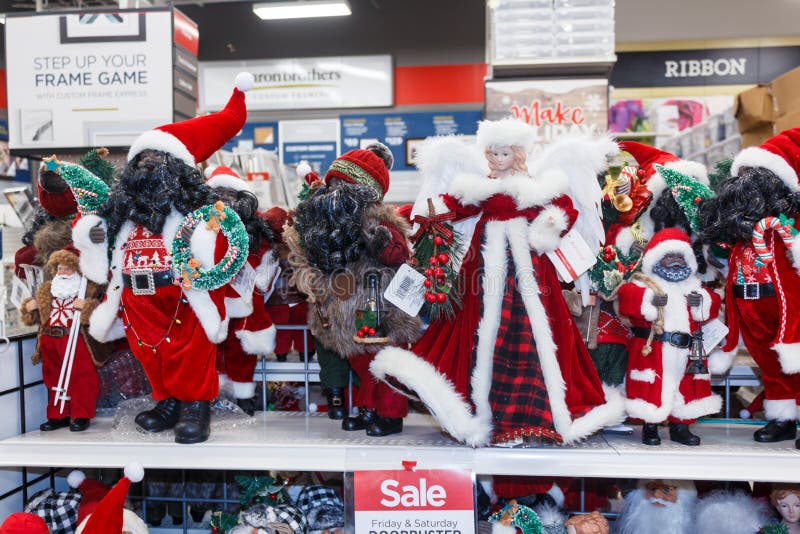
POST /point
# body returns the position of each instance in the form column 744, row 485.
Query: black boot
column 248, row 406
column 361, row 421
column 163, row 417
column 679, row 432
column 54, row 424
column 280, row 357
column 194, row 425
column 776, row 430
column 79, row 424
column 336, row 409
column 650, row 434
column 385, row 426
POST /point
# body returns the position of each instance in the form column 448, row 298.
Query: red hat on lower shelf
column 24, row 523
column 102, row 509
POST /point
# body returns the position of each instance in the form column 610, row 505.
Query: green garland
column 776, row 528
column 188, row 269
column 90, row 192
column 95, row 162
column 520, row 516
column 613, row 268
column 722, row 170
column 434, row 247
column 223, row 522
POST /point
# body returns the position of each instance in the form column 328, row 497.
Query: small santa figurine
column 251, row 332
column 667, row 306
column 102, row 509
column 54, row 308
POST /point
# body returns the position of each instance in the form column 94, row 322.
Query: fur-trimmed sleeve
column 635, row 302
column 451, row 203
column 709, row 308
column 94, row 262
column 28, row 318
column 549, row 226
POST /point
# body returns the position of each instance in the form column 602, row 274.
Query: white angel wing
column 442, row 160
column 581, row 158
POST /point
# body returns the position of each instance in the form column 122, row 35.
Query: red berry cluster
column 435, row 275
column 609, row 253
column 365, row 331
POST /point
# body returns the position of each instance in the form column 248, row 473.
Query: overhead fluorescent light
column 302, row 9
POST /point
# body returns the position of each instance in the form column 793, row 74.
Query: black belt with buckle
column 753, row 291
column 682, row 340
column 145, row 281
column 55, row 331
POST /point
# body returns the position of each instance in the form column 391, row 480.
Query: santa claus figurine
column 54, row 307
column 667, row 306
column 346, row 245
column 102, row 509
column 251, row 333
column 755, row 213
column 658, row 507
column 172, row 328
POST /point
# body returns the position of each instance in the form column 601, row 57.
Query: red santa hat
column 225, row 177
column 102, row 510
column 24, row 523
column 668, row 240
column 369, row 166
column 647, row 157
column 779, row 154
column 196, row 139
column 59, row 205
column 305, row 172
column 506, row 132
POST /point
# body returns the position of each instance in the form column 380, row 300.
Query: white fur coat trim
column 782, row 409
column 266, row 271
column 94, row 256
column 105, row 324
column 674, row 364
column 643, row 375
column 720, row 361
column 789, row 357
column 545, row 231
column 243, row 390
column 526, row 191
column 203, row 244
column 696, row 408
column 258, row 342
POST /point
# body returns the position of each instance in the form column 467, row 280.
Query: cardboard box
column 753, row 108
column 790, row 120
column 786, row 93
column 757, row 136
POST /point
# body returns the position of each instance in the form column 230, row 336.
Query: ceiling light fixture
column 302, row 9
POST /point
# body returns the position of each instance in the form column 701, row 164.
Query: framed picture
column 412, row 144
column 21, row 201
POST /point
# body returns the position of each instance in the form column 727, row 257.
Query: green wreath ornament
column 217, row 217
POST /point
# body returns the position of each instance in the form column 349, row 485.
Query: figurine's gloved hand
column 377, row 237
column 97, row 234
column 52, row 182
column 659, row 300
column 694, row 299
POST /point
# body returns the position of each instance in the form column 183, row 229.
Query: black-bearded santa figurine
column 346, row 246
column 667, row 306
column 251, row 332
column 171, row 325
column 658, row 507
column 755, row 212
column 54, row 309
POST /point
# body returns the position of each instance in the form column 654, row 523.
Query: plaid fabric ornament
column 266, row 516
column 322, row 506
column 59, row 509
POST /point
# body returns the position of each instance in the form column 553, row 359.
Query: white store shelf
column 312, row 442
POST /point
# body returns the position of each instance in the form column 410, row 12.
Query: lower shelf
column 312, row 442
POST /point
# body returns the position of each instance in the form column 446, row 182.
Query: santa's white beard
column 640, row 516
column 64, row 287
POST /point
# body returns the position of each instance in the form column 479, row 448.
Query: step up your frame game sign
column 426, row 501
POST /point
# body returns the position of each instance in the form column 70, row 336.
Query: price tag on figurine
column 713, row 334
column 573, row 257
column 427, row 500
column 245, row 281
column 406, row 290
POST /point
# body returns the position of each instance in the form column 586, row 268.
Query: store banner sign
column 422, row 501
column 315, row 141
column 91, row 79
column 404, row 132
column 308, row 83
column 552, row 107
column 712, row 66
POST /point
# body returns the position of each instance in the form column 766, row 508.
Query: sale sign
column 428, row 501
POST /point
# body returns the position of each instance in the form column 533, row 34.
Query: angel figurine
column 510, row 364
